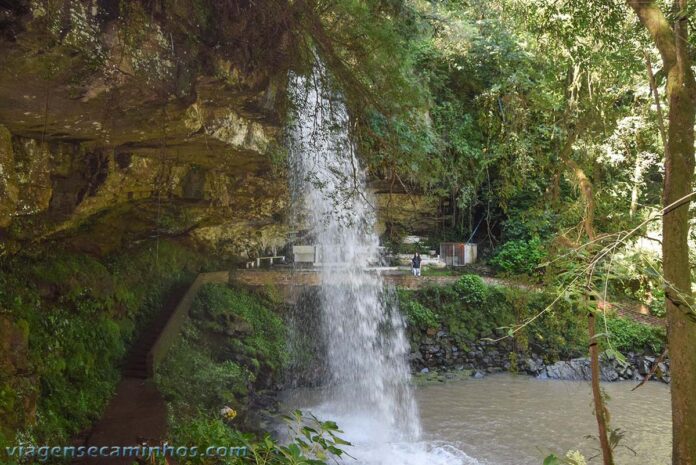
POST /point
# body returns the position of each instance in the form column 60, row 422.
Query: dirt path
column 137, row 414
column 285, row 278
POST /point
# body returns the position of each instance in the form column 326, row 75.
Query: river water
column 512, row 420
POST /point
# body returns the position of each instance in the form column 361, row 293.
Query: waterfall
column 367, row 375
column 365, row 335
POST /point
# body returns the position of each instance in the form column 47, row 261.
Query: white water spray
column 369, row 393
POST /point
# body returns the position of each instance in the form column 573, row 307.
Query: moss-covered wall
column 232, row 349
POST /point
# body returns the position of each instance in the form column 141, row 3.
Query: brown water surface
column 517, row 420
column 506, row 420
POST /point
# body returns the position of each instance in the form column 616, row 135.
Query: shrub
column 471, row 289
column 630, row 336
column 519, row 257
column 418, row 315
column 525, row 221
column 560, row 333
column 471, row 310
column 206, row 431
column 311, row 441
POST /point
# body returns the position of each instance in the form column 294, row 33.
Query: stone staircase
column 135, row 365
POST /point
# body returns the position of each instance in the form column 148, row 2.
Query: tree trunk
column 588, row 197
column 658, row 105
column 600, row 409
column 679, row 168
column 635, row 189
column 583, row 181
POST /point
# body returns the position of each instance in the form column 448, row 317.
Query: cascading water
column 366, row 342
column 368, row 387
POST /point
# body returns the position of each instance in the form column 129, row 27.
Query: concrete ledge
column 292, row 278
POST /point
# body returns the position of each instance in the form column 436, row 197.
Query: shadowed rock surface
column 127, row 120
column 120, row 121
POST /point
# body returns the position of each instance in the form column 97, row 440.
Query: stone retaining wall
column 438, row 351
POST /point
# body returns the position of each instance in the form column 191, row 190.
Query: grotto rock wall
column 123, row 120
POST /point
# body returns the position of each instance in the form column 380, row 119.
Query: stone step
column 135, row 363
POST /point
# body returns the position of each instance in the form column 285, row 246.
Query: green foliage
column 199, row 378
column 634, row 273
column 213, row 366
column 629, row 336
column 418, row 315
column 471, row 289
column 381, row 84
column 514, row 363
column 74, row 346
column 313, row 442
column 73, row 276
column 524, row 221
column 77, row 357
column 206, row 431
column 144, row 277
column 464, row 322
column 259, row 333
column 559, row 333
column 313, row 439
column 503, row 84
column 215, row 384
column 79, row 314
column 519, row 256
column 233, row 344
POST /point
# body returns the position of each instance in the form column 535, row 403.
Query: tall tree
column 671, row 40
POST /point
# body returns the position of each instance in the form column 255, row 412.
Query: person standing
column 416, row 264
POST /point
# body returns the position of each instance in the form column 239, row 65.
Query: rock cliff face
column 123, row 120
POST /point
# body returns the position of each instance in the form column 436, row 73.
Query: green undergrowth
column 310, row 442
column 70, row 318
column 471, row 310
column 230, row 350
column 254, row 330
column 517, row 257
column 233, row 343
column 628, row 336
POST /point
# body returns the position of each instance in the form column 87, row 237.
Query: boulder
column 577, row 369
